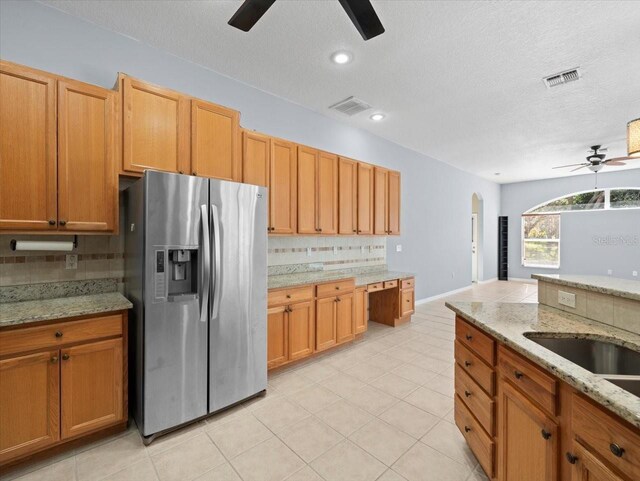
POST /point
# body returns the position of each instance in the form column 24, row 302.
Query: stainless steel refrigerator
column 196, row 273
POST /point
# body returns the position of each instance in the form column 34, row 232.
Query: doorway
column 476, row 238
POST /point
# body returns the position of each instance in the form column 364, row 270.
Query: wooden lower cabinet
column 326, row 335
column 588, row 467
column 361, row 310
column 407, row 302
column 345, row 322
column 528, row 439
column 277, row 338
column 70, row 388
column 301, row 330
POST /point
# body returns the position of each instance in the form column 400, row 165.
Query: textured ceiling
column 459, row 81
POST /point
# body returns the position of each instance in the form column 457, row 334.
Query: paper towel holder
column 13, row 243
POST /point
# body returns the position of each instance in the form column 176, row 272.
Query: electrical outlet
column 308, row 251
column 399, row 248
column 567, row 299
column 335, row 251
column 634, row 273
column 71, row 261
column 610, row 272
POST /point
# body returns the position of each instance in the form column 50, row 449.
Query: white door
column 474, row 247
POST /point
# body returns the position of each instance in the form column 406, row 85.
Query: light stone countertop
column 25, row 312
column 510, row 322
column 603, row 284
column 318, row 277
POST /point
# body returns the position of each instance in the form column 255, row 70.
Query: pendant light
column 633, row 138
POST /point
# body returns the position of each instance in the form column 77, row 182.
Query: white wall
column 581, row 251
column 436, row 198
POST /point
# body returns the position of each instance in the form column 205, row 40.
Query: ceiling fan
column 595, row 162
column 360, row 12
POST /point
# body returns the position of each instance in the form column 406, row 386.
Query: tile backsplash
column 326, row 253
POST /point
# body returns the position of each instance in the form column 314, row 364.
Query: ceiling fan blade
column 570, row 165
column 581, row 167
column 364, row 17
column 615, row 162
column 249, row 13
column 617, row 159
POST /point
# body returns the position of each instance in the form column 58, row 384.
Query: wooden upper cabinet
column 327, row 188
column 282, row 187
column 381, row 201
column 347, row 196
column 256, row 152
column 155, row 129
column 365, row 198
column 215, row 141
column 29, row 403
column 87, row 184
column 28, row 184
column 394, row 203
column 91, row 386
column 307, row 190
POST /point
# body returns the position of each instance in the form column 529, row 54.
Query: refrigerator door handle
column 215, row 302
column 206, row 263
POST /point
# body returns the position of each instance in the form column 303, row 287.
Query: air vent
column 351, row 106
column 562, row 78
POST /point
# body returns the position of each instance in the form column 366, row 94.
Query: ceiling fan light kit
column 633, row 138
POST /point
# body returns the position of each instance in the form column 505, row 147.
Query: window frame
column 607, row 202
column 523, row 260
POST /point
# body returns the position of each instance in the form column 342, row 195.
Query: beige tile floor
column 379, row 409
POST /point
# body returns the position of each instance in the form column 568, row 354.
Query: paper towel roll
column 23, row 245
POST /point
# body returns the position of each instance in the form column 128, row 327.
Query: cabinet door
column 307, row 190
column 87, row 184
column 365, row 198
column 282, row 187
column 27, row 149
column 301, row 330
column 91, row 386
column 589, row 468
column 326, row 323
column 155, row 132
column 255, row 158
column 215, row 141
column 381, row 202
column 345, row 321
column 327, row 207
column 29, row 404
column 361, row 310
column 407, row 302
column 277, row 336
column 347, row 196
column 528, row 439
column 394, row 203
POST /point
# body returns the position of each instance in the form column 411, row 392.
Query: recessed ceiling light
column 377, row 117
column 341, row 57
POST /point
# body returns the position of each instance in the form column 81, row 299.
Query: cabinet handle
column 467, row 429
column 467, row 394
column 338, row 299
column 180, row 172
column 195, row 173
column 63, row 222
column 337, row 288
column 288, row 296
column 518, row 374
column 467, row 363
column 52, row 222
column 571, row 458
column 545, row 434
column 468, row 337
column 54, row 359
column 58, row 333
column 288, row 309
column 359, row 231
column 616, row 450
column 65, row 357
column 354, row 230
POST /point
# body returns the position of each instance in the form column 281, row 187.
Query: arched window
column 541, row 224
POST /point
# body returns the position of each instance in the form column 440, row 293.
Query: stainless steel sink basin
column 616, row 364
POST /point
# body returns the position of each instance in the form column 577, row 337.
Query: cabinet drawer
column 479, row 442
column 531, row 380
column 478, row 402
column 378, row 286
column 475, row 340
column 59, row 334
column 335, row 288
column 474, row 367
column 390, row 284
column 605, row 434
column 287, row 296
column 407, row 283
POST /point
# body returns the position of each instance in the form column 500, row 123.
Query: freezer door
column 238, row 306
column 175, row 300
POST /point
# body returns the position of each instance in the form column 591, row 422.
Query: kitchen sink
column 617, row 364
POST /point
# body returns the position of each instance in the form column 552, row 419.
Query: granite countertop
column 603, row 284
column 25, row 312
column 510, row 322
column 317, row 277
